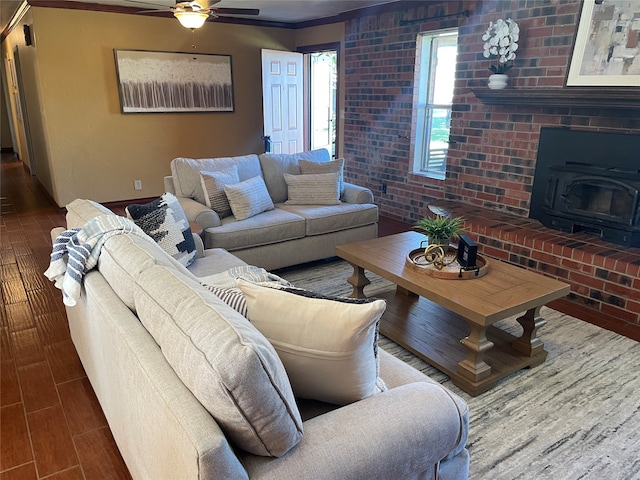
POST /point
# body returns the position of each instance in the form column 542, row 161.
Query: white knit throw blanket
column 76, row 251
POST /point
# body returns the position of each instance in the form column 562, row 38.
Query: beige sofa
column 286, row 235
column 133, row 327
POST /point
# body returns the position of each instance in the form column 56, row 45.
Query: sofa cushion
column 328, row 345
column 272, row 226
column 215, row 260
column 186, row 172
column 213, row 187
column 248, row 198
column 80, row 211
column 275, row 165
column 124, row 257
column 164, row 220
column 318, row 189
column 333, row 218
column 224, row 360
column 334, row 166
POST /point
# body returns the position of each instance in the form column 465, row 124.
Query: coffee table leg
column 359, row 281
column 474, row 367
column 528, row 343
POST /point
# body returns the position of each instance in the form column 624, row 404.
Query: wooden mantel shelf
column 602, row 97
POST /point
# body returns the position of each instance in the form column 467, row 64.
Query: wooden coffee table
column 449, row 323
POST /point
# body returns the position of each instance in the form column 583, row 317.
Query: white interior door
column 282, row 100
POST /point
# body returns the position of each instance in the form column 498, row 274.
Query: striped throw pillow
column 318, row 189
column 213, row 186
column 248, row 198
column 231, row 296
column 308, row 167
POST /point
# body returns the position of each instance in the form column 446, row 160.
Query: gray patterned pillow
column 248, row 198
column 164, row 220
column 213, row 186
column 318, row 189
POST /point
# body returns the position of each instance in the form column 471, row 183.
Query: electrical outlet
column 384, row 188
column 137, row 184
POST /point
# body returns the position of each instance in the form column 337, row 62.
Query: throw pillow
column 213, row 186
column 275, row 165
column 248, row 198
column 328, row 345
column 319, row 189
column 335, row 166
column 231, row 296
column 164, row 220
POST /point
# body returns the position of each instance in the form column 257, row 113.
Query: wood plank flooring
column 51, row 425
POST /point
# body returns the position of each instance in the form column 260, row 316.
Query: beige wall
column 85, row 147
column 6, row 141
column 11, row 44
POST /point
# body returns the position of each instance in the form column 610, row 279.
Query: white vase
column 498, row 81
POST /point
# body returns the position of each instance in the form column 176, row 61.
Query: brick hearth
column 604, row 278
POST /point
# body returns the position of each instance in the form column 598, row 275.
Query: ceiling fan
column 193, row 14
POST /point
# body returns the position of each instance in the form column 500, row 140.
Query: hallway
column 51, row 425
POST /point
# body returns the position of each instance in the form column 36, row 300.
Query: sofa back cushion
column 122, row 257
column 229, row 366
column 275, row 165
column 186, row 172
column 80, row 211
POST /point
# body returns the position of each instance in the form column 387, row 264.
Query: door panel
column 282, row 87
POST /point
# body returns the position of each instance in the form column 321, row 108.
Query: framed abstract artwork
column 607, row 47
column 152, row 82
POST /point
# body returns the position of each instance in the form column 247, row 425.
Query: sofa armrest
column 168, row 185
column 396, row 434
column 356, row 194
column 55, row 232
column 199, row 213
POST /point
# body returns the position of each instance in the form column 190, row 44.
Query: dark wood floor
column 51, row 425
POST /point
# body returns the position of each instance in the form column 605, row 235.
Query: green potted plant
column 440, row 229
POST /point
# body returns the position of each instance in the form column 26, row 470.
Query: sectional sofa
column 193, row 390
column 291, row 231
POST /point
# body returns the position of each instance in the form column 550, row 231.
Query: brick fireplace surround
column 604, row 278
column 491, row 160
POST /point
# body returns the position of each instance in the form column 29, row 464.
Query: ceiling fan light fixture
column 191, row 19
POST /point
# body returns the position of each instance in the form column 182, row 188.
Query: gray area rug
column 576, row 416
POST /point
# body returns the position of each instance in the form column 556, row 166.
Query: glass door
column 323, row 82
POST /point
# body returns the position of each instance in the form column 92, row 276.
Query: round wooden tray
column 416, row 261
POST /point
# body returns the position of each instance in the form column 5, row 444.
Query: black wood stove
column 588, row 182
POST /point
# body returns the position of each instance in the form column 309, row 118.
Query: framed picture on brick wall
column 171, row 82
column 607, row 47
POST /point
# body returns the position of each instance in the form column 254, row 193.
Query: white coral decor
column 501, row 40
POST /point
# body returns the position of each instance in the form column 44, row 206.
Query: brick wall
column 492, row 163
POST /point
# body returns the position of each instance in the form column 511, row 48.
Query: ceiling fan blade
column 235, row 11
column 149, row 4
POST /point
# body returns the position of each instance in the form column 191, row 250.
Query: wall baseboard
column 123, row 203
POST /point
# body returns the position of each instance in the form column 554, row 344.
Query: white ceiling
column 289, row 11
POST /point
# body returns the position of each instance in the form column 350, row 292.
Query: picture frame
column 173, row 82
column 605, row 52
